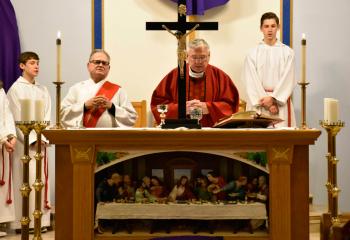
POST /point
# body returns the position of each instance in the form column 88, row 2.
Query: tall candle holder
column 58, row 124
column 303, row 83
column 332, row 129
column 58, row 83
column 303, row 104
column 38, row 184
column 26, row 127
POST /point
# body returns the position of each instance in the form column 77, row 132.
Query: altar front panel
column 288, row 163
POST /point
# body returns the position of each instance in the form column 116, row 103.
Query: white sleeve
column 254, row 87
column 287, row 83
column 15, row 106
column 7, row 124
column 125, row 114
column 72, row 110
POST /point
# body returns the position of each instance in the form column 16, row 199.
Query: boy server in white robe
column 97, row 102
column 7, row 146
column 269, row 74
column 26, row 87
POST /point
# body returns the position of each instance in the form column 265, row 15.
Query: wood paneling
column 287, row 154
column 141, row 109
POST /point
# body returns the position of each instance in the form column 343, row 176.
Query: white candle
column 39, row 110
column 26, row 110
column 58, row 44
column 325, row 109
column 331, row 110
column 303, row 58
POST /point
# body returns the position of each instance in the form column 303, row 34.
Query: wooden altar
column 287, row 151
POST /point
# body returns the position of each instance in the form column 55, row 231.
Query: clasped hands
column 97, row 102
column 10, row 144
column 270, row 104
column 196, row 104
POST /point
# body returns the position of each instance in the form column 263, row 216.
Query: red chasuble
column 215, row 88
column 91, row 116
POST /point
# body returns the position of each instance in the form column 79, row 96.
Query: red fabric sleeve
column 222, row 97
column 166, row 93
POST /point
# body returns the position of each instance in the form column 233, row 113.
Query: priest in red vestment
column 207, row 87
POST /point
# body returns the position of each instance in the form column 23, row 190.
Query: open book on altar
column 249, row 119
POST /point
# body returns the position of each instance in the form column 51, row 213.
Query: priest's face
column 269, row 29
column 198, row 58
column 98, row 66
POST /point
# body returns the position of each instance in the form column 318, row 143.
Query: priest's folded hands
column 196, row 104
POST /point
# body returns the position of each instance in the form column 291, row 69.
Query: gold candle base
column 336, row 221
column 38, row 184
column 332, row 127
column 26, row 127
column 58, row 124
column 333, row 191
column 303, row 124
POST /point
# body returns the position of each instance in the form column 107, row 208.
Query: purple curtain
column 198, row 7
column 9, row 44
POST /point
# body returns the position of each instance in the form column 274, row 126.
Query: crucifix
column 181, row 27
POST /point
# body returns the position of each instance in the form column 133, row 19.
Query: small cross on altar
column 181, row 27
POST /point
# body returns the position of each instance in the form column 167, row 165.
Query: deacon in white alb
column 97, row 102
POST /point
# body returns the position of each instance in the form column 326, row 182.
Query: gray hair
column 99, row 51
column 197, row 43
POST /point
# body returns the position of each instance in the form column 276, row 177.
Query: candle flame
column 303, row 36
column 59, row 34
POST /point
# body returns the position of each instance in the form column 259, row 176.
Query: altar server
column 7, row 146
column 27, row 88
column 269, row 74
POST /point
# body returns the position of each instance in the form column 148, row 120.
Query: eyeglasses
column 98, row 62
column 199, row 58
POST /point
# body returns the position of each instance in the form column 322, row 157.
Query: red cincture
column 2, row 181
column 46, row 173
column 9, row 196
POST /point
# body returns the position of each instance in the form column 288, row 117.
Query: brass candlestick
column 38, row 184
column 58, row 105
column 303, row 104
column 332, row 129
column 26, row 127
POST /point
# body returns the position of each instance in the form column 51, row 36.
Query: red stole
column 91, row 116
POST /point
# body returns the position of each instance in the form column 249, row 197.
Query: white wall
column 140, row 58
column 38, row 22
column 326, row 24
